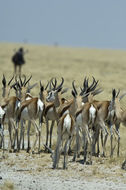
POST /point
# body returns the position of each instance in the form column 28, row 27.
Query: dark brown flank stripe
column 28, row 96
column 25, row 104
column 63, row 110
column 78, row 112
column 48, row 107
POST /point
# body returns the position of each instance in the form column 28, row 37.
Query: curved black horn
column 50, row 83
column 24, row 80
column 60, row 84
column 85, row 86
column 92, row 85
column 47, row 85
column 54, row 83
column 10, row 80
column 27, row 80
column 21, row 83
column 74, row 87
column 117, row 93
column 4, row 81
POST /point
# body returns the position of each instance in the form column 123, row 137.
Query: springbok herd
column 81, row 119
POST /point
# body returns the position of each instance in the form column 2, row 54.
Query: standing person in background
column 18, row 60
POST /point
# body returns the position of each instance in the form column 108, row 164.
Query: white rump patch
column 40, row 105
column 67, row 122
column 92, row 113
column 2, row 112
column 29, row 97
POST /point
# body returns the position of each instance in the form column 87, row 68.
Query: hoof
column 33, row 152
column 88, row 162
column 53, row 167
column 15, row 150
column 10, row 151
column 103, row 155
column 64, row 167
column 28, row 149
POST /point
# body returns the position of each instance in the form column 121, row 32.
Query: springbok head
column 91, row 90
column 115, row 99
column 7, row 86
column 43, row 91
column 22, row 86
column 52, row 95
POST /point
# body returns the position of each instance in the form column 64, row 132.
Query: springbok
column 85, row 116
column 65, row 129
column 104, row 117
column 9, row 105
column 118, row 112
column 50, row 110
column 23, row 92
column 30, row 110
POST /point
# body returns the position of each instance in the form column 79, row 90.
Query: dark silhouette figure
column 18, row 60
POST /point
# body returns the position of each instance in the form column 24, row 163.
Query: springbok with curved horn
column 65, row 129
column 9, row 105
column 24, row 111
column 24, row 94
column 30, row 109
column 85, row 116
column 50, row 109
column 119, row 115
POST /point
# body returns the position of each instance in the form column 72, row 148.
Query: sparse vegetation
column 8, row 185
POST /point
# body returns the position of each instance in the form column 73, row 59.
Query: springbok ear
column 64, row 90
column 32, row 86
column 124, row 94
column 97, row 91
column 73, row 93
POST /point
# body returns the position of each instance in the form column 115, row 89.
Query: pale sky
column 81, row 23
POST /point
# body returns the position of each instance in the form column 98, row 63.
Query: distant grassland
column 45, row 62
